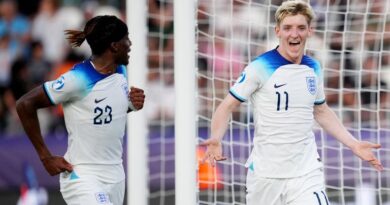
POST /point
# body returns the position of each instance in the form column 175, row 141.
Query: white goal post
column 185, row 112
column 137, row 132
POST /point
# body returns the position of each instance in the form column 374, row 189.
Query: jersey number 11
column 279, row 99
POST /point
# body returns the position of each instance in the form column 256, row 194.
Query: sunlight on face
column 292, row 33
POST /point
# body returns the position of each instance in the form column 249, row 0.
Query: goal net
column 159, row 104
column 352, row 43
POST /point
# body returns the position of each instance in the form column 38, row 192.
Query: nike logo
column 98, row 101
column 278, row 86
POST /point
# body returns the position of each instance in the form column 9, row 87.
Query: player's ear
column 310, row 30
column 114, row 47
column 277, row 30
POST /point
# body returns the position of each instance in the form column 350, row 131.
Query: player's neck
column 103, row 65
column 296, row 58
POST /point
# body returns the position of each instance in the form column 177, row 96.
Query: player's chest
column 298, row 87
column 110, row 95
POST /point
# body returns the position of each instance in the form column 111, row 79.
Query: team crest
column 58, row 84
column 241, row 78
column 311, row 85
column 102, row 198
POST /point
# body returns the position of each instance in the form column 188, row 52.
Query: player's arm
column 247, row 83
column 219, row 123
column 328, row 120
column 27, row 107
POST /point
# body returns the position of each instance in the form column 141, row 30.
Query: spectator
column 8, row 53
column 18, row 86
column 48, row 19
column 38, row 67
column 14, row 35
column 15, row 25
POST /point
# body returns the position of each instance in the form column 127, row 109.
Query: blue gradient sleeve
column 65, row 88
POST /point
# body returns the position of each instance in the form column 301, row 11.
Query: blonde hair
column 292, row 8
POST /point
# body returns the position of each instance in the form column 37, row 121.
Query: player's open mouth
column 294, row 43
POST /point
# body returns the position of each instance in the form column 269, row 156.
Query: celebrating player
column 95, row 99
column 287, row 92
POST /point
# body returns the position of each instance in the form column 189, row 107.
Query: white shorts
column 308, row 189
column 89, row 190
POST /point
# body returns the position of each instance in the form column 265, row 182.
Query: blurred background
column 351, row 40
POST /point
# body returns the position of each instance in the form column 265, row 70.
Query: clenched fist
column 137, row 98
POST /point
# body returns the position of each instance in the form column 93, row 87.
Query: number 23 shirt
column 95, row 112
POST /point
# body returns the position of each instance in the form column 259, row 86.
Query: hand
column 363, row 150
column 56, row 164
column 137, row 97
column 213, row 152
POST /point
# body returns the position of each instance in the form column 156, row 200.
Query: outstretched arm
column 27, row 107
column 219, row 123
column 328, row 120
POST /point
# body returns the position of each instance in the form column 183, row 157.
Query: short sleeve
column 320, row 98
column 65, row 88
column 248, row 82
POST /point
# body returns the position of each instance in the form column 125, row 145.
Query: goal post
column 137, row 131
column 185, row 112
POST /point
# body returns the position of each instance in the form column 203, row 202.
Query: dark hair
column 35, row 43
column 99, row 32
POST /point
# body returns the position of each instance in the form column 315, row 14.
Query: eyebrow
column 290, row 25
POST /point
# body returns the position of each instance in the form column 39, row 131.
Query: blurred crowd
column 352, row 42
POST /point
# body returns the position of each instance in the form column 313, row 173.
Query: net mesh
column 159, row 105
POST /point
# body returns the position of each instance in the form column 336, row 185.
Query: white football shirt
column 283, row 96
column 95, row 112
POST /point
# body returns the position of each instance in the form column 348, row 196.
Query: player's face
column 292, row 33
column 123, row 51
